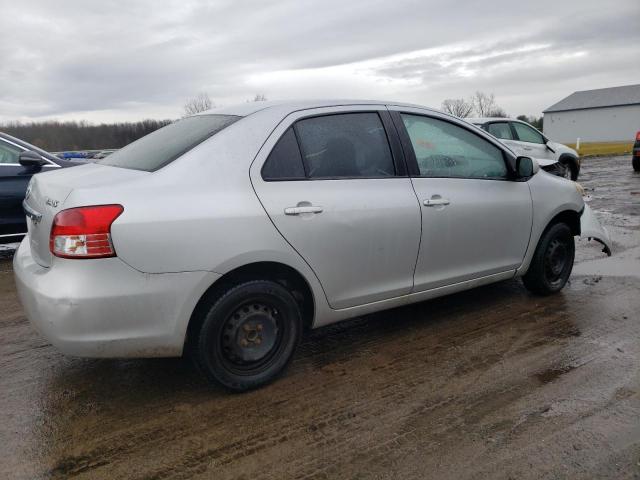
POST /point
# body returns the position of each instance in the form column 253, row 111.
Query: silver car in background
column 227, row 233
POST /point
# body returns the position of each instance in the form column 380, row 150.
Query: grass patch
column 603, row 148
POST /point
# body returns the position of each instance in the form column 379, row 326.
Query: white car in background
column 527, row 141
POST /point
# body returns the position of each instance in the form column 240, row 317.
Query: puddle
column 623, row 264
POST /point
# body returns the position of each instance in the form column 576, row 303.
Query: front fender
column 590, row 228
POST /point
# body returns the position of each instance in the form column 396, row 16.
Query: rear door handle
column 434, row 202
column 304, row 209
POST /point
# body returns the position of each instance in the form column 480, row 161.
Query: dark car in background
column 19, row 161
column 635, row 159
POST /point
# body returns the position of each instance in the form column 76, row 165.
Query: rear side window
column 163, row 146
column 348, row 145
column 500, row 130
column 284, row 161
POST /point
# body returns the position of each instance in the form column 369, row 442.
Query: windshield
column 163, row 146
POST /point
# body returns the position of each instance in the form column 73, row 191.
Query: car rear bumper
column 104, row 308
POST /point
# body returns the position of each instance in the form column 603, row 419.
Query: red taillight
column 638, row 137
column 84, row 232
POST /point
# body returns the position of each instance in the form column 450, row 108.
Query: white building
column 603, row 115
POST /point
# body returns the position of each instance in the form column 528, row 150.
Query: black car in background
column 19, row 161
column 635, row 159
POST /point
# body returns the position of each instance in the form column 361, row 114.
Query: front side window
column 163, row 146
column 347, row 145
column 527, row 134
column 443, row 149
column 9, row 153
column 500, row 130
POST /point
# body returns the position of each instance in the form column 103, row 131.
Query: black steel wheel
column 556, row 260
column 249, row 335
column 552, row 261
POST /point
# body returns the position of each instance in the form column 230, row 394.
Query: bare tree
column 484, row 103
column 536, row 122
column 458, row 107
column 199, row 103
column 55, row 136
column 498, row 112
column 260, row 97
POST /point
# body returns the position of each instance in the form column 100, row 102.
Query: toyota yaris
column 227, row 233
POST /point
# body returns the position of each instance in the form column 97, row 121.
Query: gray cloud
column 124, row 59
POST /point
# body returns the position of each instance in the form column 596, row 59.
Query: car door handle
column 527, row 148
column 303, row 209
column 434, row 202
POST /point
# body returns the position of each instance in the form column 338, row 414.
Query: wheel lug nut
column 259, row 327
column 246, row 327
column 244, row 343
column 258, row 341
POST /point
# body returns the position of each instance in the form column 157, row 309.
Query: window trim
column 410, row 155
column 393, row 141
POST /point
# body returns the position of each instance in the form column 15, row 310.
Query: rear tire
column 552, row 261
column 248, row 336
column 636, row 163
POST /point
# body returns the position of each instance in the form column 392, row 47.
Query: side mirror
column 526, row 167
column 30, row 159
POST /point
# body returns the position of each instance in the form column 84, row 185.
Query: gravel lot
column 490, row 383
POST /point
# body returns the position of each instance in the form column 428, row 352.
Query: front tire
column 636, row 163
column 552, row 261
column 249, row 335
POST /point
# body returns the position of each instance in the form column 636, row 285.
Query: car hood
column 545, row 162
column 560, row 148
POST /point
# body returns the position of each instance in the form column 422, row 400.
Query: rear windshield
column 163, row 146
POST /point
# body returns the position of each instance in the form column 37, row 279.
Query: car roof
column 248, row 108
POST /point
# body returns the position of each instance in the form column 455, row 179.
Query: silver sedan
column 227, row 233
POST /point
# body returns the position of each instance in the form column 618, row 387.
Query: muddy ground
column 490, row 383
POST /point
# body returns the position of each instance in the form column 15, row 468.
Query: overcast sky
column 128, row 60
